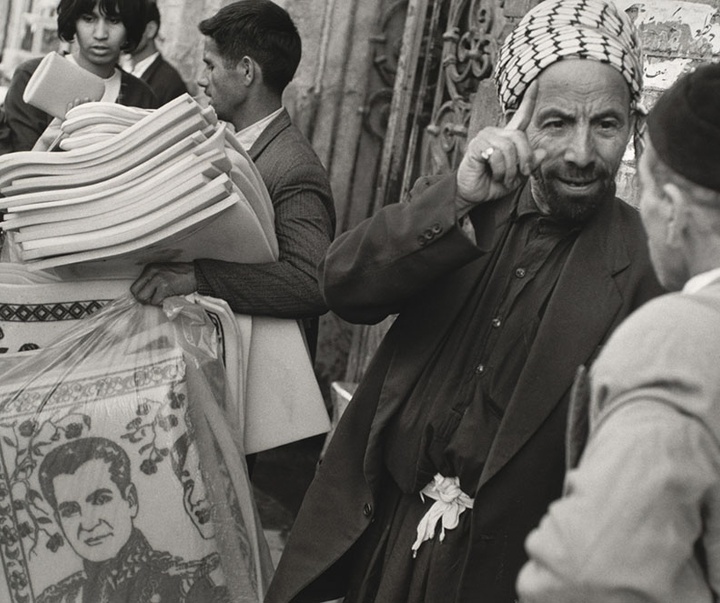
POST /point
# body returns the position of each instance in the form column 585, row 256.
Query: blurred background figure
column 148, row 63
column 99, row 30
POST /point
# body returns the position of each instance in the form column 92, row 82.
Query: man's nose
column 581, row 146
column 88, row 522
column 101, row 30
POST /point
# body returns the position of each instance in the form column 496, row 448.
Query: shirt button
column 480, row 369
column 496, row 322
column 436, row 228
column 367, row 510
column 520, row 272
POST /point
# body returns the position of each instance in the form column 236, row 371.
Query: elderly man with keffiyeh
column 505, row 277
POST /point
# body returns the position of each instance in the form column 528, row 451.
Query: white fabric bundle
column 137, row 186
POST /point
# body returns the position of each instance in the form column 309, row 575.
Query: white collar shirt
column 248, row 136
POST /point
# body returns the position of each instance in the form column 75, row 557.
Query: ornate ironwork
column 386, row 54
column 470, row 44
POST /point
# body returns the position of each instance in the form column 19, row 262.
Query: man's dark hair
column 261, row 30
column 67, row 458
column 132, row 13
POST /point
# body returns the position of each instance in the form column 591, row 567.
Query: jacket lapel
column 152, row 68
column 274, row 128
column 576, row 322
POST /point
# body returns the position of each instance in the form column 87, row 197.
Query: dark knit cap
column 684, row 126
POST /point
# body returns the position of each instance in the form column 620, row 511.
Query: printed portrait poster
column 102, row 496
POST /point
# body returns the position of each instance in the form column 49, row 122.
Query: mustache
column 573, row 173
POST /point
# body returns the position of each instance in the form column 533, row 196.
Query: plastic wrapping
column 122, row 476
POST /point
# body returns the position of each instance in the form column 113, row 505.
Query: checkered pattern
column 557, row 29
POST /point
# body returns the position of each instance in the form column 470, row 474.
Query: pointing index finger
column 525, row 111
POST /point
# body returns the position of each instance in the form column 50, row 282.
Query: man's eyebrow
column 615, row 113
column 94, row 494
column 67, row 504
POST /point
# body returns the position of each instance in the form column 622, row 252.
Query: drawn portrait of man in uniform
column 88, row 484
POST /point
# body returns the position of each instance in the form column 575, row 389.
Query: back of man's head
column 684, row 127
column 261, row 30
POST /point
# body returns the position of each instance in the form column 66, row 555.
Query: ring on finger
column 487, row 153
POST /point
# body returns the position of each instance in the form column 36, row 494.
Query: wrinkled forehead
column 582, row 87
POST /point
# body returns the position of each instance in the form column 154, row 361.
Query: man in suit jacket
column 460, row 418
column 252, row 50
column 148, row 63
column 640, row 520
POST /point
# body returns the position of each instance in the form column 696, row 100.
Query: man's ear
column 132, row 498
column 673, row 200
column 151, row 30
column 248, row 70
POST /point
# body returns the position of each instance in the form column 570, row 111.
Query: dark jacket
column 164, row 80
column 27, row 123
column 304, row 224
column 426, row 275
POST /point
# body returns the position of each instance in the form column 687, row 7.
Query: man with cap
column 640, row 520
column 452, row 447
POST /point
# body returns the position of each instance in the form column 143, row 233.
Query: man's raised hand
column 498, row 160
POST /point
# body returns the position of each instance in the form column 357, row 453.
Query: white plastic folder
column 272, row 378
column 120, row 476
column 57, row 82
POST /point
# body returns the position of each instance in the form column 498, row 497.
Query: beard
column 547, row 187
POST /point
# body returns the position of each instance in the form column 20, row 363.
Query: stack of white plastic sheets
column 133, row 186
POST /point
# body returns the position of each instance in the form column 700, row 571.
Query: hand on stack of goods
column 132, row 186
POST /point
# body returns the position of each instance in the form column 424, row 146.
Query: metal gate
column 442, row 95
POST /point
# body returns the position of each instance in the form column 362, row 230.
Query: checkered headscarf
column 557, row 29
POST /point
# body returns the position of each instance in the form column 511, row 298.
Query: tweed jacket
column 164, row 80
column 304, row 224
column 641, row 513
column 425, row 276
column 27, row 123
